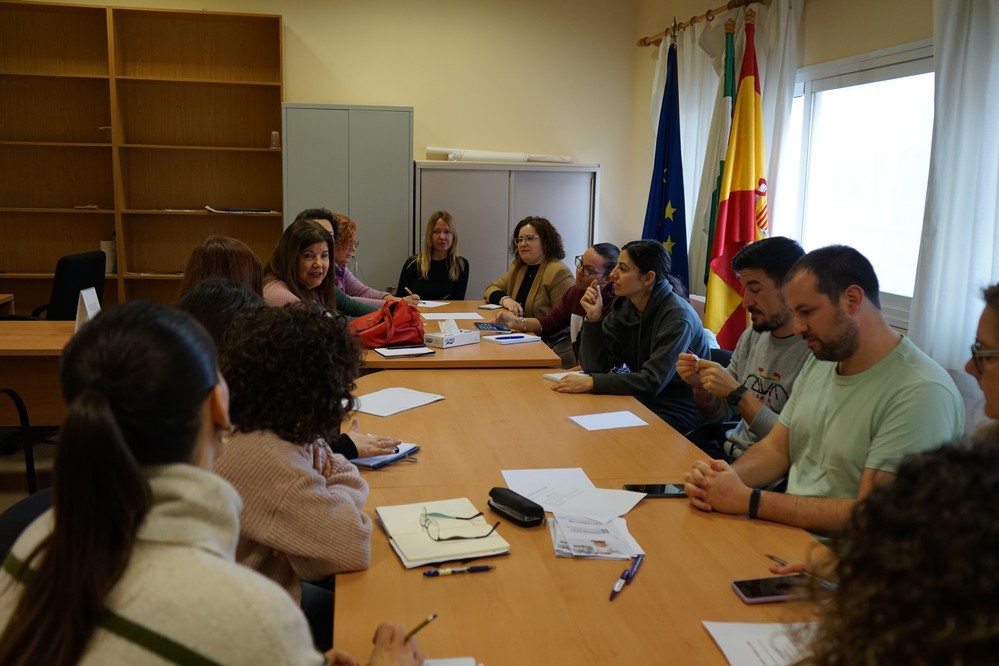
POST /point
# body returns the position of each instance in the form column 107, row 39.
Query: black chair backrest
column 73, row 274
column 721, row 357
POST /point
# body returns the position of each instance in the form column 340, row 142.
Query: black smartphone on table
column 491, row 327
column 657, row 490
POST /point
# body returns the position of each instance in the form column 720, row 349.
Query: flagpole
column 709, row 15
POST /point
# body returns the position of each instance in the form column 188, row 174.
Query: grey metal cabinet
column 488, row 199
column 355, row 160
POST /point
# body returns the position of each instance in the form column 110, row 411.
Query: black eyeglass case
column 516, row 507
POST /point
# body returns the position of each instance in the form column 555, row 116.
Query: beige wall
column 543, row 76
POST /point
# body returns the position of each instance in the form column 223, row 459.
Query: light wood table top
column 34, row 338
column 535, row 608
column 6, row 304
column 480, row 355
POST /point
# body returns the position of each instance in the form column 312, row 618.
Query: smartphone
column 653, row 490
column 492, row 327
column 774, row 588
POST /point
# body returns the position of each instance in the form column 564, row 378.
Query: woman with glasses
column 437, row 272
column 537, row 278
column 593, row 266
column 984, row 362
column 648, row 327
column 299, row 270
column 347, row 282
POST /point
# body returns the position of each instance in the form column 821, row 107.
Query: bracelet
column 754, row 503
column 523, row 323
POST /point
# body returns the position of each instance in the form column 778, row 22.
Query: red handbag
column 396, row 323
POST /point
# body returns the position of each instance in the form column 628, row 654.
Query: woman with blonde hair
column 437, row 272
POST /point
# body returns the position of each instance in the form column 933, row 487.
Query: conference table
column 536, row 608
column 29, row 364
column 482, row 354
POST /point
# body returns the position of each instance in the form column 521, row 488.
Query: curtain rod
column 655, row 40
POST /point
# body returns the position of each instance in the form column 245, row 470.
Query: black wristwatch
column 735, row 396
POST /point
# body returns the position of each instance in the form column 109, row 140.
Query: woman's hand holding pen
column 593, row 302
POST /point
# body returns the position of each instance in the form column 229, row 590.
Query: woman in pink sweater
column 290, row 371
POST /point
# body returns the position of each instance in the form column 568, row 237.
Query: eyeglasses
column 587, row 271
column 978, row 355
column 433, row 528
column 356, row 244
column 525, row 239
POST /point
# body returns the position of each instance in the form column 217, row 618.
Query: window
column 856, row 162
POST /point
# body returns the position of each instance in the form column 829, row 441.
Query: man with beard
column 866, row 399
column 757, row 382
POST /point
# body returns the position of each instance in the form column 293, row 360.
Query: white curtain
column 700, row 58
column 959, row 251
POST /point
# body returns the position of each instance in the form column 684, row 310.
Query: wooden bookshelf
column 123, row 124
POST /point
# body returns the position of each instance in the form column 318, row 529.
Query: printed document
column 757, row 644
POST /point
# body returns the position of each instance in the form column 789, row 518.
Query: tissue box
column 445, row 340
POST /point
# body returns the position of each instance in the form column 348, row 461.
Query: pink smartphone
column 768, row 590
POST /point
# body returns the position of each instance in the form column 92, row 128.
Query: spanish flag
column 742, row 207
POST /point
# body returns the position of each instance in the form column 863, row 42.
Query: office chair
column 710, row 437
column 73, row 274
column 24, row 434
column 16, row 518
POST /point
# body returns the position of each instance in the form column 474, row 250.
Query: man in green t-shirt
column 867, row 398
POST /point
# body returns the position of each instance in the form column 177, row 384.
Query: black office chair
column 710, row 437
column 16, row 519
column 73, row 274
column 24, row 434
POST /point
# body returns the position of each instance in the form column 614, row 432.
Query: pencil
column 419, row 627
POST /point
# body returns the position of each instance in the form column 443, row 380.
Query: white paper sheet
column 432, row 304
column 601, row 504
column 758, row 644
column 438, row 316
column 550, row 488
column 607, row 420
column 389, row 401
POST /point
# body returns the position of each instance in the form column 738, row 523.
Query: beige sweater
column 297, row 523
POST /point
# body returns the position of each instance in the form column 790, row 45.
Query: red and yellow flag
column 742, row 207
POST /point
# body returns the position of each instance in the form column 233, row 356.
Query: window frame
column 882, row 65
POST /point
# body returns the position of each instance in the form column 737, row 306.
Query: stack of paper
column 404, row 351
column 413, row 544
column 377, row 462
column 573, row 536
column 389, row 401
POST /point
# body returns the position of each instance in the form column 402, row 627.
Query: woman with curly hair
column 537, row 278
column 437, row 272
column 299, row 270
column 221, row 256
column 347, row 282
column 290, row 372
column 918, row 567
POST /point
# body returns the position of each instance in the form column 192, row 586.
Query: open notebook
column 412, row 542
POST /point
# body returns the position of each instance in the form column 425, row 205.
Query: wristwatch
column 735, row 396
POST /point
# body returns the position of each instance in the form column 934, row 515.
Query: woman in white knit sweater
column 134, row 563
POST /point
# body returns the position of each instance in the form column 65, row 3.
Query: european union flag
column 665, row 216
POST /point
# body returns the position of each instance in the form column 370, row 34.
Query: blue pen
column 509, row 337
column 634, row 567
column 478, row 568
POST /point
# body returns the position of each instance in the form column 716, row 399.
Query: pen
column 509, row 337
column 478, row 568
column 619, row 584
column 821, row 581
column 634, row 567
column 419, row 627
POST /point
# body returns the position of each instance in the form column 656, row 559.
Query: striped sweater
column 297, row 523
